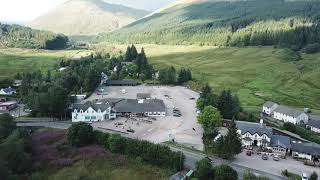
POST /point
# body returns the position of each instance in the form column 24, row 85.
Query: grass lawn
column 256, row 74
column 13, row 61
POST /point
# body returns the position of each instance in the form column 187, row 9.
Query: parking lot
column 184, row 129
column 274, row 167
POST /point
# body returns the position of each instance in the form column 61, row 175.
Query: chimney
column 261, row 123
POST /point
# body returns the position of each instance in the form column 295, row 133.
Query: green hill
column 255, row 74
column 86, row 17
column 291, row 23
column 22, row 37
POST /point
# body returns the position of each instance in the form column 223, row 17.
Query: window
column 75, row 111
column 87, row 117
column 93, row 117
column 81, row 111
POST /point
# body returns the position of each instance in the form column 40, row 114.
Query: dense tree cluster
column 304, row 133
column 80, row 134
column 213, row 108
column 226, row 103
column 48, row 96
column 205, row 171
column 15, row 151
column 23, row 37
column 154, row 154
column 293, row 24
column 171, row 76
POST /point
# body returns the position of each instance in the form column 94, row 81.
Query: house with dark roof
column 291, row 115
column 8, row 91
column 280, row 144
column 109, row 109
column 269, row 107
column 121, row 83
column 309, row 151
column 143, row 96
column 314, row 123
column 254, row 134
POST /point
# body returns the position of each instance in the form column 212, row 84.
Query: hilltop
column 86, row 17
column 226, row 23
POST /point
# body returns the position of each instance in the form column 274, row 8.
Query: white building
column 287, row 114
column 254, row 134
column 269, row 107
column 112, row 108
column 8, row 91
column 309, row 151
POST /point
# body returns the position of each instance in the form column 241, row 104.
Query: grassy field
column 22, row 60
column 255, row 74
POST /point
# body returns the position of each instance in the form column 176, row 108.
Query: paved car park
column 183, row 129
column 274, row 167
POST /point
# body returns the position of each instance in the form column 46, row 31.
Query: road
column 191, row 157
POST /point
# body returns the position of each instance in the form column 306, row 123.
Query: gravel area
column 183, row 129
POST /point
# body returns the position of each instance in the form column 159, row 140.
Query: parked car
column 304, row 176
column 192, row 98
column 264, row 157
column 276, row 157
column 209, row 159
column 249, row 153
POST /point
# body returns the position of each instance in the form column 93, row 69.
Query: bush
column 225, row 172
column 313, row 176
column 117, row 144
column 7, row 125
column 101, row 138
column 80, row 134
column 204, row 170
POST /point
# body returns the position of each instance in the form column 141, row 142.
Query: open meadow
column 13, row 61
column 256, row 74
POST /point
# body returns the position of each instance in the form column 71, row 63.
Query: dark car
column 209, row 159
column 264, row 157
column 249, row 153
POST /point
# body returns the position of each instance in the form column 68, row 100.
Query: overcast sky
column 20, row 11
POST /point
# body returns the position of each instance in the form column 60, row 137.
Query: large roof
column 96, row 106
column 121, row 82
column 143, row 96
column 269, row 104
column 253, row 128
column 314, row 123
column 288, row 111
column 307, row 148
column 9, row 90
column 283, row 141
column 133, row 106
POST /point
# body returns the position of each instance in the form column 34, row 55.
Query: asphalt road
column 191, row 157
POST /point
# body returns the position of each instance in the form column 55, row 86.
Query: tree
column 250, row 176
column 313, row 176
column 289, row 127
column 229, row 145
column 7, row 125
column 225, row 172
column 204, row 170
column 228, row 105
column 210, row 118
column 80, row 134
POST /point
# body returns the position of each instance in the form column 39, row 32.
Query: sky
column 22, row 11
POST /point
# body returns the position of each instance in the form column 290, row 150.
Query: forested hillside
column 22, row 37
column 293, row 24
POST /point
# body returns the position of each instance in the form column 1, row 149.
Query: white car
column 304, row 176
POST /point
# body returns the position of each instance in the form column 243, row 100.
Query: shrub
column 80, row 134
column 313, row 176
column 225, row 172
column 7, row 125
column 204, row 169
column 101, row 138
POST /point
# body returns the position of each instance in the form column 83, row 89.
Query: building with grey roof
column 254, row 134
column 108, row 109
column 309, row 151
column 314, row 123
column 287, row 114
column 121, row 83
column 268, row 107
column 280, row 144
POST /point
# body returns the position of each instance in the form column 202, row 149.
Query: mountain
column 86, row 17
column 226, row 23
column 143, row 4
column 17, row 36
